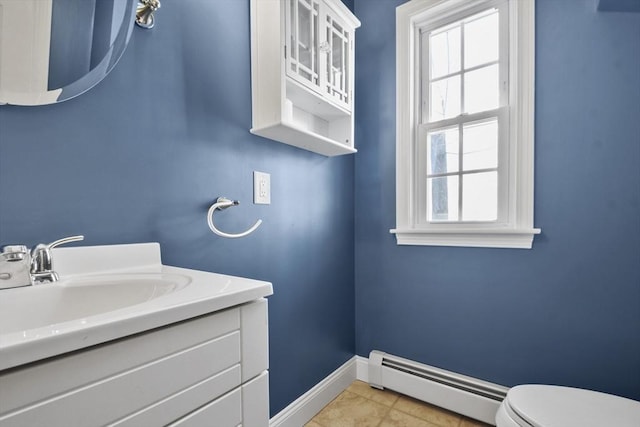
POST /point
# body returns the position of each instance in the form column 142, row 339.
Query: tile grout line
column 386, row 414
column 392, row 407
column 421, row 418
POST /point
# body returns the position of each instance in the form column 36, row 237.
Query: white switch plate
column 261, row 188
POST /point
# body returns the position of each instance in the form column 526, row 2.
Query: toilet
column 535, row 405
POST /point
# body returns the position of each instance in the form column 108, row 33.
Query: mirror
column 54, row 50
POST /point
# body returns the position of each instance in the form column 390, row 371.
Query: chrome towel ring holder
column 221, row 204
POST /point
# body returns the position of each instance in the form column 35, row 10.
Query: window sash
column 422, row 204
column 501, row 114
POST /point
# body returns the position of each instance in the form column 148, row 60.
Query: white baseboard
column 300, row 411
column 362, row 368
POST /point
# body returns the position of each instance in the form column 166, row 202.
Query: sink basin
column 107, row 293
column 78, row 298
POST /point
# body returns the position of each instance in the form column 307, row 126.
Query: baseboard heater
column 465, row 395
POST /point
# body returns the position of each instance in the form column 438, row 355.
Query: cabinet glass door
column 303, row 17
column 338, row 83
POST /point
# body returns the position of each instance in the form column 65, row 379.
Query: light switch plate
column 261, row 188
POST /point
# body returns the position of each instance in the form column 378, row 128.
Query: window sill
column 483, row 238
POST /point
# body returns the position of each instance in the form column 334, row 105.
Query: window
column 464, row 166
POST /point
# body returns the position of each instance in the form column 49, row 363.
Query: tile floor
column 362, row 406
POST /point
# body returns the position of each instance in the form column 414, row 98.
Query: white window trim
column 518, row 231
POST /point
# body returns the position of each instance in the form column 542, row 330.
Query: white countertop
column 196, row 293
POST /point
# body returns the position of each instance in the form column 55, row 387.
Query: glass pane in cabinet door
column 327, row 48
column 304, row 34
column 303, row 39
column 337, row 61
column 292, row 37
column 345, row 67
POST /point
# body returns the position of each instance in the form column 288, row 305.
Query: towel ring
column 221, row 204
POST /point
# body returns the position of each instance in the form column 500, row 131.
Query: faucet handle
column 65, row 240
column 42, row 262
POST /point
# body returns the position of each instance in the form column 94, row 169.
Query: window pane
column 480, row 145
column 442, row 198
column 444, row 49
column 480, row 196
column 481, row 41
column 481, row 89
column 445, row 98
column 443, row 148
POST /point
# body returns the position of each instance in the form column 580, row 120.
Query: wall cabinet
column 302, row 73
column 211, row 370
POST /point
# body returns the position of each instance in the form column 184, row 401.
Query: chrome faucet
column 42, row 262
column 19, row 267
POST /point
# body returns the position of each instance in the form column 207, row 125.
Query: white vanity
column 122, row 340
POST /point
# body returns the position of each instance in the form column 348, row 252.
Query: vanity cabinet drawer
column 225, row 411
column 255, row 401
column 20, row 387
column 111, row 399
column 182, row 403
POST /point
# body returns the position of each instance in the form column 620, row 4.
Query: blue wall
column 565, row 312
column 143, row 155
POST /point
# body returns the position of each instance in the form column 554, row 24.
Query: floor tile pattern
column 362, row 406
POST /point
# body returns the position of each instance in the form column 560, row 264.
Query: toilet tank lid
column 556, row 406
